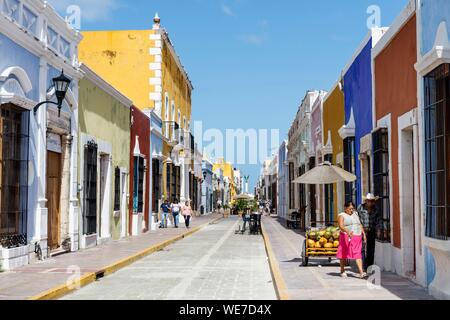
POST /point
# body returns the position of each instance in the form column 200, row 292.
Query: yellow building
column 144, row 66
column 333, row 117
column 228, row 173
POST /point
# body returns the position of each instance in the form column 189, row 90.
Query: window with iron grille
column 381, row 181
column 329, row 196
column 291, row 186
column 156, row 184
column 138, row 184
column 14, row 141
column 178, row 184
column 312, row 192
column 90, row 189
column 302, row 187
column 174, row 184
column 168, row 176
column 437, row 152
column 349, row 165
column 117, row 189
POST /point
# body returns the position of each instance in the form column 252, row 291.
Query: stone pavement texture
column 213, row 264
column 31, row 280
column 321, row 280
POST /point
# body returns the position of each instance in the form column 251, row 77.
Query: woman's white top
column 352, row 223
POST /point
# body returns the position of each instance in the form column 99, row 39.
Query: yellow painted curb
column 280, row 284
column 62, row 290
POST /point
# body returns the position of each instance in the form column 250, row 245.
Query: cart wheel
column 330, row 259
column 304, row 257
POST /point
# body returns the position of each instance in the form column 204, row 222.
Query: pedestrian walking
column 370, row 219
column 351, row 239
column 175, row 208
column 165, row 210
column 187, row 213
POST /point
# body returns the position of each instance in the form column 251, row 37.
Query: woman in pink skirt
column 351, row 239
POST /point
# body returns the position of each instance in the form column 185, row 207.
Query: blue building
column 39, row 206
column 356, row 133
column 207, row 205
column 283, row 181
column 433, row 70
column 156, row 169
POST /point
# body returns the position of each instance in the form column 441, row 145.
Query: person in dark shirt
column 370, row 220
column 165, row 209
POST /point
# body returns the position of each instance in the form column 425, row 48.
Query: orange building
column 395, row 143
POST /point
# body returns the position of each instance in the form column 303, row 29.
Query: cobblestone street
column 214, row 263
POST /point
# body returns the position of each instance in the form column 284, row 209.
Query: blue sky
column 250, row 61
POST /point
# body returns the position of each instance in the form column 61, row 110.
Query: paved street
column 214, row 263
column 321, row 280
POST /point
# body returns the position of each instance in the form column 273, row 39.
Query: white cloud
column 227, row 10
column 91, row 10
column 253, row 39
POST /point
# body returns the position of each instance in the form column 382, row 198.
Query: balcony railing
column 171, row 131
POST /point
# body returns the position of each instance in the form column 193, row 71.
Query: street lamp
column 61, row 85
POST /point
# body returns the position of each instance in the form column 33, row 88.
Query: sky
column 250, row 61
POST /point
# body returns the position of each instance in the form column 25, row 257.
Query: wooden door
column 53, row 197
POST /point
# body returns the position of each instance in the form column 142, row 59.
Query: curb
column 88, row 278
column 278, row 280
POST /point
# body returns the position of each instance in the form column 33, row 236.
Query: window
column 437, row 152
column 117, row 189
column 166, row 116
column 14, row 141
column 329, row 196
column 90, row 189
column 174, row 184
column 302, row 188
column 156, row 184
column 349, row 165
column 312, row 193
column 381, row 181
column 168, row 176
column 291, row 186
column 138, row 184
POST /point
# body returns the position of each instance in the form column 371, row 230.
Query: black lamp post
column 61, row 85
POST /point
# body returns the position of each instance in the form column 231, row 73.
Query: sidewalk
column 321, row 280
column 31, row 280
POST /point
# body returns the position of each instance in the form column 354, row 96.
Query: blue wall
column 433, row 13
column 358, row 96
column 14, row 55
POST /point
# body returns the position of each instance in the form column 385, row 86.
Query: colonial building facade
column 39, row 203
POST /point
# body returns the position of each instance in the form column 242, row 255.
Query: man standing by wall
column 370, row 219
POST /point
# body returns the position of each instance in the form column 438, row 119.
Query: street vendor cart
column 321, row 242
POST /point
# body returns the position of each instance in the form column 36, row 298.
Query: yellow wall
column 228, row 171
column 121, row 58
column 333, row 119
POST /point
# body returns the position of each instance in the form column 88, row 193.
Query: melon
column 312, row 235
column 327, row 235
column 322, row 233
column 311, row 243
column 318, row 245
column 323, row 241
column 336, row 244
column 328, row 246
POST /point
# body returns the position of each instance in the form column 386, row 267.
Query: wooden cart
column 308, row 253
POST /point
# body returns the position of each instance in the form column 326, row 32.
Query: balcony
column 171, row 131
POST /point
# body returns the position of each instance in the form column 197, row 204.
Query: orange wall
column 396, row 94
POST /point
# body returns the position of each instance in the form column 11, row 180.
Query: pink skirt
column 350, row 249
